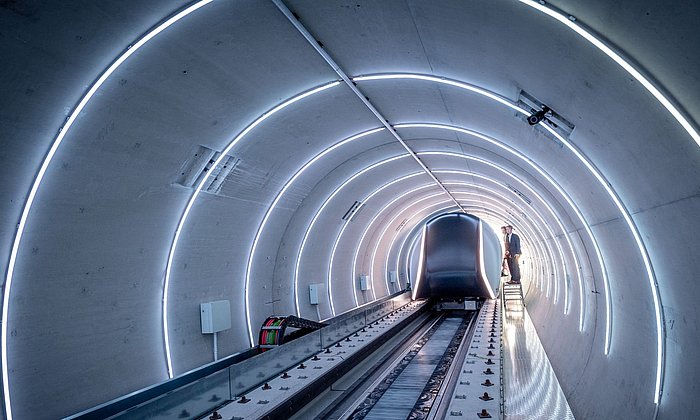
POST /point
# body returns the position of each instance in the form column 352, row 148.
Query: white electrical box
column 216, row 316
column 314, row 289
column 364, row 283
column 392, row 276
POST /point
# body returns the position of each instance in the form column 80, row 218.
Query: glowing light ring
column 504, row 216
column 479, row 176
column 566, row 197
column 561, row 226
column 276, row 200
column 494, row 204
column 63, row 131
column 666, row 103
column 478, row 212
column 371, row 222
column 642, row 249
column 194, row 196
column 549, row 252
column 617, row 58
column 386, row 227
column 473, row 175
column 345, row 225
column 318, row 214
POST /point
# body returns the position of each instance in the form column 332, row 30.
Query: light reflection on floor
column 531, row 387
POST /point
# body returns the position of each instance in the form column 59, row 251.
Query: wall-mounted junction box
column 216, row 316
column 392, row 276
column 364, row 282
column 314, row 291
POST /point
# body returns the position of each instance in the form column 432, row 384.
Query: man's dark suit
column 513, row 255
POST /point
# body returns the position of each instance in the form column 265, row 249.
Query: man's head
column 509, row 229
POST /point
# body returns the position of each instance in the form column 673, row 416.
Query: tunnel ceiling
column 162, row 154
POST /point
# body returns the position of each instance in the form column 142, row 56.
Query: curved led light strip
column 567, row 198
column 62, row 132
column 532, row 191
column 549, row 281
column 194, row 196
column 398, row 232
column 582, row 309
column 642, row 249
column 628, row 219
column 276, row 200
column 451, row 82
column 371, row 222
column 470, row 204
column 318, row 213
column 345, row 225
column 381, row 236
column 598, row 43
column 497, row 217
column 422, row 251
column 417, row 235
column 457, row 172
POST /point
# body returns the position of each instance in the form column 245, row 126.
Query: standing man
column 513, row 254
column 504, row 263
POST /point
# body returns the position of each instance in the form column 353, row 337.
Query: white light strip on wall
column 475, row 203
column 548, row 280
column 475, row 175
column 279, row 196
column 617, row 58
column 63, row 131
column 566, row 197
column 369, row 225
column 294, row 20
column 386, row 227
column 443, row 80
column 193, row 198
column 532, row 191
column 346, row 224
column 318, row 214
column 642, row 249
column 423, row 221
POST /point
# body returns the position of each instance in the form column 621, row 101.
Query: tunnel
column 158, row 155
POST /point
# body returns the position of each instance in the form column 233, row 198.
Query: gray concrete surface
column 84, row 316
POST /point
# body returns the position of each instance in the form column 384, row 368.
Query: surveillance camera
column 537, row 116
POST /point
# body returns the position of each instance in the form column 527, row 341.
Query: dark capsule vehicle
column 460, row 258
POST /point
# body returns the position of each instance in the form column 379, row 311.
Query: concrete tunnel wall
column 84, row 291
